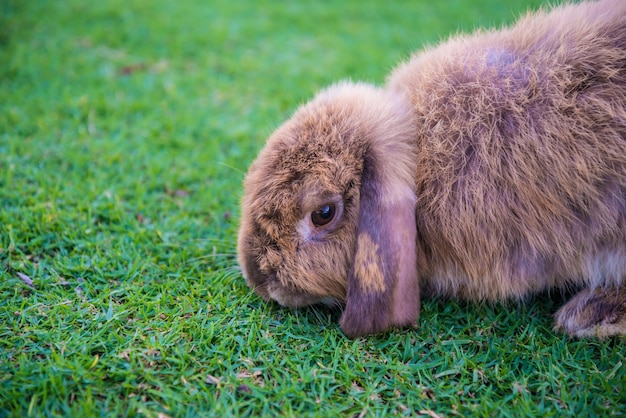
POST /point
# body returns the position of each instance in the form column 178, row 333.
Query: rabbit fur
column 490, row 167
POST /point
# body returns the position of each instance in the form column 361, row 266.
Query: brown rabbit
column 489, row 168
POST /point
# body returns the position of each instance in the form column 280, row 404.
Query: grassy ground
column 125, row 129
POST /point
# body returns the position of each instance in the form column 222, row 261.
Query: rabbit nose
column 257, row 280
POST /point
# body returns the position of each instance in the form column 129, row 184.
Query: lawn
column 126, row 127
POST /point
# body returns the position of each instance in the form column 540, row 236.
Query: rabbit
column 489, row 168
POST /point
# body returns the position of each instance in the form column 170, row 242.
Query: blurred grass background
column 125, row 131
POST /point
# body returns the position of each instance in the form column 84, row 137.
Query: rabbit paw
column 598, row 312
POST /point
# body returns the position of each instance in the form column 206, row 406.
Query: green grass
column 125, row 130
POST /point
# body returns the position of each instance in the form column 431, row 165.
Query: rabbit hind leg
column 594, row 312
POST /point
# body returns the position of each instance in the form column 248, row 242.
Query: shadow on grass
column 437, row 316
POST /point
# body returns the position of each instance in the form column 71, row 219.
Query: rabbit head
column 328, row 213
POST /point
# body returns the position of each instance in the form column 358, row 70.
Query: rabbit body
column 488, row 168
column 521, row 168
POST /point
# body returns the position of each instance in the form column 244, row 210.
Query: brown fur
column 489, row 168
column 366, row 265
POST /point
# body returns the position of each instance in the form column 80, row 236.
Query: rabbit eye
column 323, row 215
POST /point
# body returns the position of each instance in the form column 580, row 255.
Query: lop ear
column 383, row 286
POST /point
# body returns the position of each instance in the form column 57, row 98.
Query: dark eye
column 323, row 215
